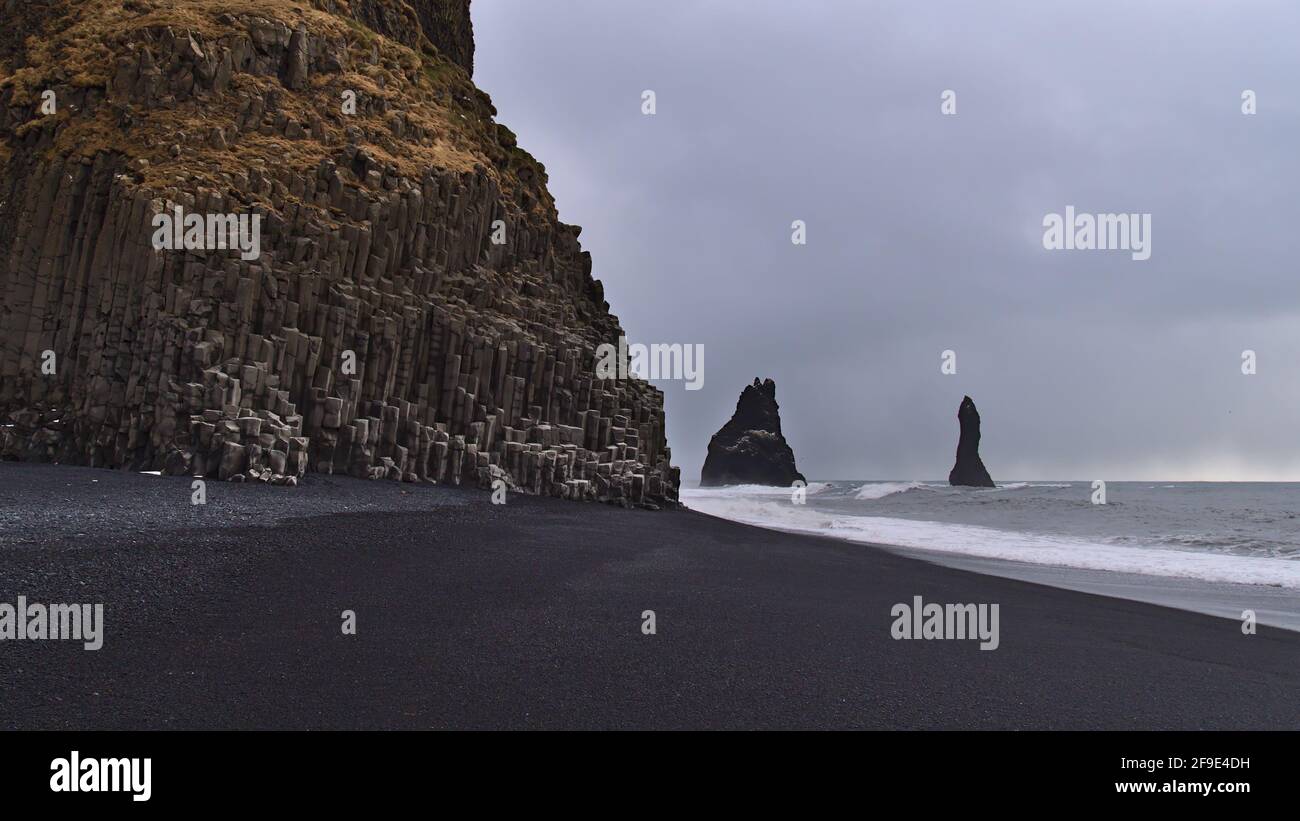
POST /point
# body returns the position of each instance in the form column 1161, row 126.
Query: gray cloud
column 924, row 231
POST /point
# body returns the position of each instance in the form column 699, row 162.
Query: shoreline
column 529, row 615
column 1274, row 605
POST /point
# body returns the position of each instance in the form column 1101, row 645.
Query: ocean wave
column 1023, row 485
column 1223, row 543
column 729, row 491
column 879, row 490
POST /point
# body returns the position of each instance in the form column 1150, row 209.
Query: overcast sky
column 924, row 231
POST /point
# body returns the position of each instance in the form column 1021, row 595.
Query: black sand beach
column 528, row 615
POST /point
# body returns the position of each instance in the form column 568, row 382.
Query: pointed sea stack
column 969, row 470
column 750, row 450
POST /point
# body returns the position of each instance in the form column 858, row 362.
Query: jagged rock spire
column 749, row 449
column 969, row 470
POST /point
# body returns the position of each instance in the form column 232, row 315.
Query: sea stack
column 969, row 470
column 749, row 449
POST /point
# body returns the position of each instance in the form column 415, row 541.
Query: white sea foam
column 993, row 543
column 1023, row 485
column 879, row 490
column 732, row 491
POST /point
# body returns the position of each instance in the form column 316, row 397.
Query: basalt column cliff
column 410, row 308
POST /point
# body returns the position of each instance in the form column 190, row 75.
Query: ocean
column 1218, row 548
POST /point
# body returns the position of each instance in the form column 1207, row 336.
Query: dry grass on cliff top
column 74, row 42
column 83, row 38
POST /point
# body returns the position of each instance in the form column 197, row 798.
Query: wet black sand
column 528, row 615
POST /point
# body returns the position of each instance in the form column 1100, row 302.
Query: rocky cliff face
column 444, row 23
column 415, row 310
column 750, row 449
column 969, row 469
